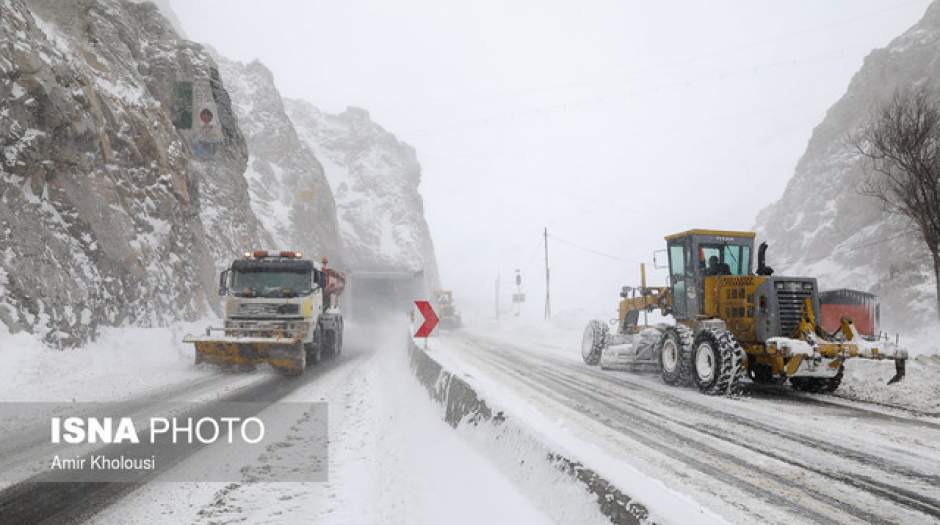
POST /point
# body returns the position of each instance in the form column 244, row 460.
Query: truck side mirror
column 223, row 282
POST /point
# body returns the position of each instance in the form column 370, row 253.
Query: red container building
column 861, row 307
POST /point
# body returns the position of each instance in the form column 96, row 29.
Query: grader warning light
column 732, row 321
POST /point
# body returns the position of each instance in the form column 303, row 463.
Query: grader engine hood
column 779, row 305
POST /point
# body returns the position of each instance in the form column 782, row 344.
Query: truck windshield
column 267, row 283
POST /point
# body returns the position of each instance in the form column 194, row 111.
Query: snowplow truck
column 280, row 309
column 731, row 322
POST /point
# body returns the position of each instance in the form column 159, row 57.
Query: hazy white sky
column 612, row 123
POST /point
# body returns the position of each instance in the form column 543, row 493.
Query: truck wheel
column 313, row 352
column 675, row 348
column 593, row 342
column 717, row 362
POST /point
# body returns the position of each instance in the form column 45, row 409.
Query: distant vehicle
column 731, row 321
column 447, row 310
column 280, row 309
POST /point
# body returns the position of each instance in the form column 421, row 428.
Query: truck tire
column 593, row 342
column 675, row 350
column 818, row 385
column 339, row 341
column 717, row 362
column 314, row 352
column 338, row 347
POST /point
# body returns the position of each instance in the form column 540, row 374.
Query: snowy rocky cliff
column 824, row 227
column 289, row 191
column 121, row 179
column 135, row 164
column 375, row 180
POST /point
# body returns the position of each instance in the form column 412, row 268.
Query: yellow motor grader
column 731, row 321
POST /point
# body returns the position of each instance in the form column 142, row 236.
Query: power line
column 633, row 92
column 719, row 51
column 592, row 251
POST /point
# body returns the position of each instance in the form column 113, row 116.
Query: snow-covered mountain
column 121, row 180
column 289, row 192
column 134, row 166
column 823, row 226
column 375, row 180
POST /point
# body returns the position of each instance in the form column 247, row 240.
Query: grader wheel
column 593, row 342
column 674, row 355
column 717, row 362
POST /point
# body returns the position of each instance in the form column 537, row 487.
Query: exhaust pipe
column 762, row 268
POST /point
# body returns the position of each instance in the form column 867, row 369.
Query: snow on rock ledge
column 822, row 226
column 107, row 216
column 374, row 178
column 289, row 192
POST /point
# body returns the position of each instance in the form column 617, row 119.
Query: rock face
column 289, row 192
column 823, row 226
column 374, row 178
column 121, row 180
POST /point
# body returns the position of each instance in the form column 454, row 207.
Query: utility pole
column 497, row 297
column 548, row 295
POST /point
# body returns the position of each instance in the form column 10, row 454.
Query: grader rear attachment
column 731, row 322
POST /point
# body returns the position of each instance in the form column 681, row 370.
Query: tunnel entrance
column 376, row 296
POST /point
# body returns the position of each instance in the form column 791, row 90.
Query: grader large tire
column 818, row 385
column 717, row 362
column 675, row 355
column 593, row 342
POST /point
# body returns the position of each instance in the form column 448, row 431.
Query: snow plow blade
column 285, row 354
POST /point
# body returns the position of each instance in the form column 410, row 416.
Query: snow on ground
column 122, row 363
column 392, row 460
column 604, row 418
column 919, row 391
column 558, row 434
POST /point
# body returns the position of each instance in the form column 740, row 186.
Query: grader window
column 724, row 259
column 677, row 257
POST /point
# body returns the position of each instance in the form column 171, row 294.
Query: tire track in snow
column 523, row 363
column 35, row 501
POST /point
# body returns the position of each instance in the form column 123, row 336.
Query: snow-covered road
column 391, row 458
column 771, row 456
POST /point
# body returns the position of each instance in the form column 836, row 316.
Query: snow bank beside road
column 122, row 363
column 919, row 392
column 540, row 455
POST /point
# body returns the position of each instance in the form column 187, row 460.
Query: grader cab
column 731, row 321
